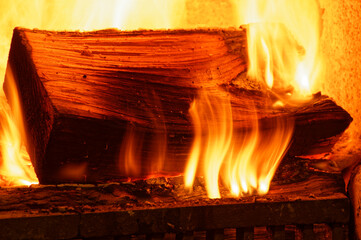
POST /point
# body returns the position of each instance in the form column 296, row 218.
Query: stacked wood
column 87, row 96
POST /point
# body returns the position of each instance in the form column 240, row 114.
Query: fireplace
column 72, row 86
column 341, row 25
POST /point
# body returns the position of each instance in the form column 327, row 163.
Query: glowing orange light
column 245, row 161
column 16, row 167
column 283, row 51
column 283, row 42
column 70, row 15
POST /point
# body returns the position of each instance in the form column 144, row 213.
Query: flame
column 129, row 157
column 206, row 116
column 137, row 141
column 245, row 160
column 16, row 167
column 283, row 39
column 87, row 15
column 283, row 43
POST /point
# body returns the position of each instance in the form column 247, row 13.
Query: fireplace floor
column 159, row 206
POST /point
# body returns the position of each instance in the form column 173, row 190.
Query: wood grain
column 82, row 94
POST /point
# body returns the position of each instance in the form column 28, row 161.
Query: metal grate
column 214, row 218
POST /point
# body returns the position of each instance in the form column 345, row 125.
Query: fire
column 214, row 121
column 133, row 142
column 16, row 167
column 130, row 153
column 283, row 38
column 283, row 43
column 84, row 15
column 245, row 160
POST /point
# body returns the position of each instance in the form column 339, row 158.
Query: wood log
column 158, row 192
column 87, row 96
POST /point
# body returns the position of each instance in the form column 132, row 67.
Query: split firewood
column 90, row 97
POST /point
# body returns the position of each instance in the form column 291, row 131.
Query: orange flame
column 214, row 121
column 283, row 51
column 82, row 15
column 130, row 153
column 16, row 167
column 245, row 160
column 134, row 146
column 283, row 42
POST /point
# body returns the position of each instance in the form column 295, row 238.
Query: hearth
column 194, row 133
column 161, row 208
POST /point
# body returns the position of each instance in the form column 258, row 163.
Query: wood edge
column 137, row 31
column 26, row 77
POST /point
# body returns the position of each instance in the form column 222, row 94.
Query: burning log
column 98, row 103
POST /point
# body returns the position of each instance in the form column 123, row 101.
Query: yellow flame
column 192, row 163
column 69, row 15
column 240, row 153
column 16, row 167
column 283, row 51
column 86, row 15
column 129, row 157
column 283, row 42
column 283, row 39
